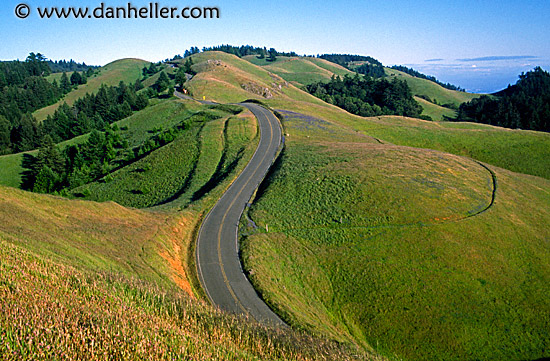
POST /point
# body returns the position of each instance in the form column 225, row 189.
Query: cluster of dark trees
column 60, row 66
column 152, row 69
column 240, row 51
column 370, row 67
column 525, row 105
column 375, row 71
column 366, row 96
column 418, row 74
column 345, row 59
column 52, row 170
column 162, row 83
column 93, row 111
column 24, row 89
column 90, row 112
column 191, row 51
column 245, row 50
column 181, row 74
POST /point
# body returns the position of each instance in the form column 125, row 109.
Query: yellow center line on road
column 226, row 281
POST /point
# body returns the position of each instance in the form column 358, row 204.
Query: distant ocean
column 481, row 83
column 487, row 77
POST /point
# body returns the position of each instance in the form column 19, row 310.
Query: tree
column 141, row 101
column 272, row 55
column 187, row 67
column 262, row 54
column 46, row 181
column 25, row 136
column 37, row 65
column 76, row 78
column 524, row 105
column 162, row 83
column 180, row 78
column 5, row 130
column 64, row 83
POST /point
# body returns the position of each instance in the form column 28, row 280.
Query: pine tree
column 76, row 79
column 65, row 84
column 181, row 78
column 25, row 136
column 46, row 181
column 5, row 130
column 272, row 55
column 162, row 83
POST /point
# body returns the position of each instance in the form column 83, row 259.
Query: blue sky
column 479, row 45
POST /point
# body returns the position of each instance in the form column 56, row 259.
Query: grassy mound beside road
column 403, row 249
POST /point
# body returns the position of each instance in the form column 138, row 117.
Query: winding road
column 217, row 254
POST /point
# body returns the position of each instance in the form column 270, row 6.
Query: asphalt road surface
column 219, row 267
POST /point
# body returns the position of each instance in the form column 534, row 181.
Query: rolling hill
column 432, row 90
column 379, row 229
column 126, row 70
column 412, row 252
column 92, row 280
column 112, row 280
column 301, row 71
column 390, row 236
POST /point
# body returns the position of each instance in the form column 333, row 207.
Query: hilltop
column 126, row 70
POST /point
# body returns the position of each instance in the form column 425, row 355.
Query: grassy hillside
column 403, row 249
column 11, row 163
column 517, row 150
column 185, row 169
column 300, row 70
column 92, row 236
column 88, row 280
column 226, row 78
column 303, row 70
column 408, row 237
column 57, row 76
column 138, row 128
column 436, row 112
column 413, row 252
column 127, row 70
column 434, row 91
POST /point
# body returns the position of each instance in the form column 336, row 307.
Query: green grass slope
column 11, row 163
column 186, row 169
column 85, row 280
column 401, row 241
column 516, row 150
column 126, row 70
column 90, row 236
column 413, row 252
column 304, row 70
column 434, row 111
column 57, row 76
column 403, row 249
column 226, row 78
column 301, row 70
column 137, row 129
column 432, row 90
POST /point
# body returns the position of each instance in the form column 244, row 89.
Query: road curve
column 217, row 253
